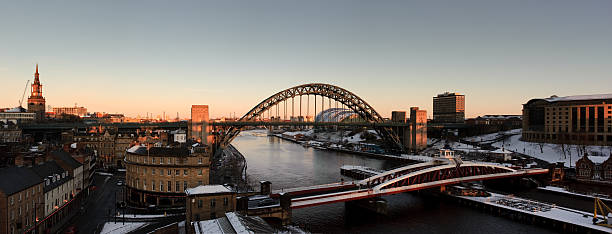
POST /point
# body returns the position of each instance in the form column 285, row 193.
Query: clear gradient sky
column 135, row 57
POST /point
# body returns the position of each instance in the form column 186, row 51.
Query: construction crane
column 24, row 91
column 604, row 213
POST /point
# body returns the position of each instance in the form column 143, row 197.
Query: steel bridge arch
column 349, row 99
column 455, row 172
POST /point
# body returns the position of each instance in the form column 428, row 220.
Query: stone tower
column 36, row 101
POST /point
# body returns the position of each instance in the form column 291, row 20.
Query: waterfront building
column 199, row 127
column 580, row 120
column 159, row 176
column 78, row 111
column 21, row 196
column 589, row 168
column 36, row 101
column 209, row 202
column 449, row 108
column 417, row 136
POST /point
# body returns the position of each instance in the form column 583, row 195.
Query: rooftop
column 233, row 223
column 554, row 98
column 16, row 179
column 208, row 189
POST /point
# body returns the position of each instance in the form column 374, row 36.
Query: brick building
column 209, row 202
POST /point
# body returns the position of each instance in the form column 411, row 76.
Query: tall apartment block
column 417, row 136
column 449, row 108
column 199, row 127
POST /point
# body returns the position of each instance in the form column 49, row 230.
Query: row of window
column 212, row 202
column 177, row 185
column 177, row 172
column 156, row 160
column 27, row 194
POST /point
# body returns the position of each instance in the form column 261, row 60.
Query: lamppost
column 36, row 216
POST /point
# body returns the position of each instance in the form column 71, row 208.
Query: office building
column 582, row 120
column 449, row 108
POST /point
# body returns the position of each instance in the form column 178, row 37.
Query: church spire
column 36, row 79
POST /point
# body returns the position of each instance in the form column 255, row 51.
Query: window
column 225, row 201
column 199, row 160
column 177, row 172
column 169, row 172
column 161, row 186
column 153, row 185
column 185, row 172
column 153, row 161
column 153, row 171
column 200, row 172
column 169, row 186
column 144, row 184
column 169, row 161
column 12, row 200
column 185, row 185
column 200, row 203
column 212, row 203
column 145, row 171
column 178, row 186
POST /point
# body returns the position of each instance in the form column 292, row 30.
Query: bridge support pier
column 376, row 205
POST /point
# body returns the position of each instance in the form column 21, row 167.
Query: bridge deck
column 358, row 194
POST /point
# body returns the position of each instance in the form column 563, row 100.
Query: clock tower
column 36, row 101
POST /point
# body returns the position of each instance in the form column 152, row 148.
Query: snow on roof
column 206, row 189
column 598, row 159
column 501, row 151
column 579, row 97
column 134, row 148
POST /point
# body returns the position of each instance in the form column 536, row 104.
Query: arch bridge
column 342, row 98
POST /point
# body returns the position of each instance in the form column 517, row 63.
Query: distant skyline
column 135, row 57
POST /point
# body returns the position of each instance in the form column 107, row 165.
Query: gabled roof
column 66, row 158
column 16, row 179
column 50, row 168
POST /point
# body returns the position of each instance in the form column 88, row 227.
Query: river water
column 287, row 164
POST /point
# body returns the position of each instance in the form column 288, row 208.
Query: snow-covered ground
column 492, row 136
column 456, row 146
column 553, row 152
column 120, row 227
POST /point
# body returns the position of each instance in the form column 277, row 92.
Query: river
column 287, row 164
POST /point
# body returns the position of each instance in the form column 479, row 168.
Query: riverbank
column 533, row 212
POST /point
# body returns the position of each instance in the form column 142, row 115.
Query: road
column 100, row 204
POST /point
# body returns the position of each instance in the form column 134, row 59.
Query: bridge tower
column 36, row 101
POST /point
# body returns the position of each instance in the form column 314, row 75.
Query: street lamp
column 36, row 216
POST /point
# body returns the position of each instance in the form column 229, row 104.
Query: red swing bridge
column 437, row 173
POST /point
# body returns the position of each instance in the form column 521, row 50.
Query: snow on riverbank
column 551, row 153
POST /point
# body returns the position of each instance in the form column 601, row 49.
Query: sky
column 135, row 57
